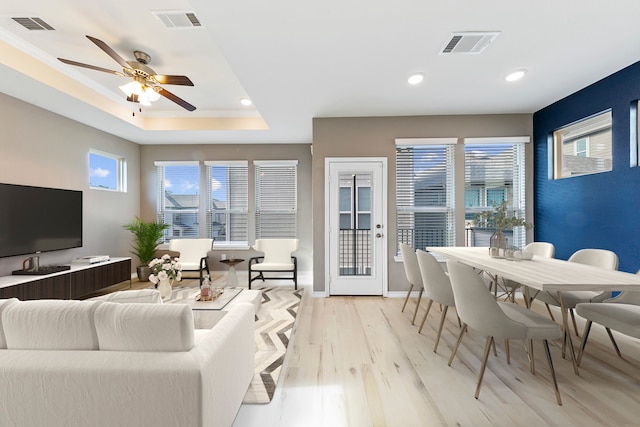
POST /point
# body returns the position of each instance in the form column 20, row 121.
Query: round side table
column 232, row 278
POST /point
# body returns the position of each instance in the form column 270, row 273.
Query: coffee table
column 207, row 313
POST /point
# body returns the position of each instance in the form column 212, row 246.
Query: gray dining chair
column 414, row 277
column 437, row 287
column 596, row 257
column 621, row 313
column 480, row 312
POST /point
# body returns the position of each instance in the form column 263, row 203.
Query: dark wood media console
column 75, row 283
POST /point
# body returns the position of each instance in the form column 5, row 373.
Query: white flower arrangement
column 165, row 268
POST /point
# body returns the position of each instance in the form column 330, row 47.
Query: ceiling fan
column 145, row 86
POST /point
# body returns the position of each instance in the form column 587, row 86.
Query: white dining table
column 545, row 275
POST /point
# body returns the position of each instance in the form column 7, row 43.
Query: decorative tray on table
column 215, row 293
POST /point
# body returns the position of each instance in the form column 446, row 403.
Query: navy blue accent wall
column 592, row 211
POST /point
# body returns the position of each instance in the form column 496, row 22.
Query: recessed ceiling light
column 246, row 101
column 415, row 79
column 516, row 75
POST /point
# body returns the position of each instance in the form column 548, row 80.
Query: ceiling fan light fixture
column 132, row 88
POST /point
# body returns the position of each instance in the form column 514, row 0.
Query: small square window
column 106, row 171
column 584, row 147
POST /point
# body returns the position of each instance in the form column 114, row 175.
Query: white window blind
column 494, row 172
column 227, row 202
column 425, row 193
column 178, row 198
column 276, row 199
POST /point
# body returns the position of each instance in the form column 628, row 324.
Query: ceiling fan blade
column 181, row 102
column 112, row 53
column 91, row 67
column 173, row 80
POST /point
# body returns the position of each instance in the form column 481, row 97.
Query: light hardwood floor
column 358, row 361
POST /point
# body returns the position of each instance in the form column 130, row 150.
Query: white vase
column 164, row 286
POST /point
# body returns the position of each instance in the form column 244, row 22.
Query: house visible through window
column 107, row 171
column 228, row 202
column 276, row 199
column 494, row 173
column 425, row 194
column 178, row 185
column 584, row 147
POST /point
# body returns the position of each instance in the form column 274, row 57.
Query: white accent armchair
column 277, row 259
column 193, row 253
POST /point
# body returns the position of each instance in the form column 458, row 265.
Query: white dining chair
column 412, row 272
column 538, row 249
column 437, row 287
column 596, row 257
column 620, row 313
column 480, row 312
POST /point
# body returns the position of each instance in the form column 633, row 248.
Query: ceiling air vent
column 33, row 24
column 469, row 42
column 177, row 19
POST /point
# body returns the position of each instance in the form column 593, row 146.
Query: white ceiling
column 300, row 59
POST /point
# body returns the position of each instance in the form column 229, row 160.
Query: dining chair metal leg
column 407, row 297
column 575, row 325
column 415, row 313
column 532, row 360
column 455, row 348
column 549, row 310
column 585, row 337
column 442, row 319
column 487, row 348
column 424, row 319
column 553, row 372
column 613, row 341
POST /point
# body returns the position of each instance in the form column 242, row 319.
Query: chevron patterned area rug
column 274, row 325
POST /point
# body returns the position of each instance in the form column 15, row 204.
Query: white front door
column 356, row 208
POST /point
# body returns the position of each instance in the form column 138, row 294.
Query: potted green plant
column 499, row 219
column 147, row 234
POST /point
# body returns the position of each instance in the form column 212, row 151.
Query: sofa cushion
column 144, row 327
column 50, row 325
column 136, row 295
column 3, row 304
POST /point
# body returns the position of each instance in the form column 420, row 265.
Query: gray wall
column 375, row 137
column 40, row 148
column 301, row 152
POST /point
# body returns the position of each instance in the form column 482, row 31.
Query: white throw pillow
column 3, row 304
column 50, row 325
column 144, row 327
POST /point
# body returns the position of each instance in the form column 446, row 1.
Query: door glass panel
column 355, row 241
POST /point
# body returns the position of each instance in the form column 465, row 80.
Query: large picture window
column 425, row 193
column 276, row 199
column 583, row 147
column 494, row 173
column 227, row 202
column 178, row 199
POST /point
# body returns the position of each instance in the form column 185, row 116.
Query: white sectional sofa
column 101, row 363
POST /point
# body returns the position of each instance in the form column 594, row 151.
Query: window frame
column 229, row 213
column 576, row 131
column 120, row 171
column 161, row 210
column 287, row 195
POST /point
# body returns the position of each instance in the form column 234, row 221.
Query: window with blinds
column 425, row 193
column 276, row 199
column 494, row 173
column 227, row 202
column 178, row 200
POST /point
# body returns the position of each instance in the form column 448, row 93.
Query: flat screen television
column 38, row 219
